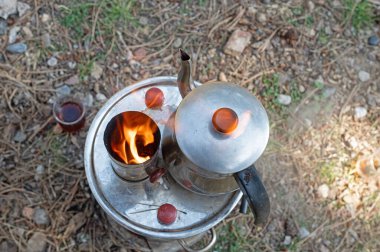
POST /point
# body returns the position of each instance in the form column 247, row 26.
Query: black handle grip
column 254, row 191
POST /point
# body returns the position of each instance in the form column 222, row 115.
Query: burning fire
column 132, row 138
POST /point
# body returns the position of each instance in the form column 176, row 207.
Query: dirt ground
column 310, row 63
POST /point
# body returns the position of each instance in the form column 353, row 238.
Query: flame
column 132, row 134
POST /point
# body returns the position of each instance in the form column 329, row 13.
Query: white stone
column 40, row 217
column 71, row 64
column 360, row 112
column 310, row 5
column 364, row 76
column 22, row 8
column 13, row 34
column 284, row 99
column 96, row 71
column 222, row 77
column 303, row 233
column 237, row 42
column 19, row 137
column 63, row 90
column 28, row 33
column 261, row 18
column 287, row 240
column 177, row 43
column 89, row 100
column 7, row 7
column 45, row 18
column 323, row 191
column 100, row 97
column 52, row 62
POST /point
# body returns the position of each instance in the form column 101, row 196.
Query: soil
column 321, row 199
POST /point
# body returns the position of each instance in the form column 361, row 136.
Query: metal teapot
column 214, row 137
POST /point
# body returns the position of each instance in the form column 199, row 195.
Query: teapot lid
column 221, row 127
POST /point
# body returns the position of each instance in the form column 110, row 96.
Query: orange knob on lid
column 225, row 120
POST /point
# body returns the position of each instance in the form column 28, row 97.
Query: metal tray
column 121, row 199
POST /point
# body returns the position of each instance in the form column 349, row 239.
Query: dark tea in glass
column 69, row 113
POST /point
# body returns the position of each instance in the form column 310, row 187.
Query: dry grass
column 298, row 160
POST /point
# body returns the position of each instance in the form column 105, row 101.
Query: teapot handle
column 254, row 192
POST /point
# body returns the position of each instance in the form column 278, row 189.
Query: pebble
column 17, row 48
column 19, row 137
column 45, row 18
column 373, row 40
column 40, row 170
column 28, row 212
column 301, row 88
column 63, row 90
column 252, row 11
column 71, row 64
column 360, row 112
column 13, row 34
column 310, row 5
column 323, row 248
column 52, row 62
column 3, row 26
column 22, row 8
column 7, row 7
column 177, row 43
column 237, row 42
column 287, row 240
column 89, row 100
column 323, row 191
column 329, row 91
column 28, row 33
column 372, row 101
column 261, row 18
column 37, row 243
column 40, row 217
column 363, row 76
column 222, row 77
column 96, row 71
column 73, row 80
column 139, row 53
column 143, row 20
column 284, row 99
column 45, row 39
column 328, row 30
column 100, row 97
column 303, row 233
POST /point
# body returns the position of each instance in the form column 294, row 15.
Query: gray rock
column 40, row 217
column 3, row 26
column 177, row 43
column 372, row 101
column 323, row 191
column 45, row 18
column 28, row 33
column 100, row 97
column 261, row 18
column 237, row 42
column 63, row 91
column 303, row 233
column 310, row 5
column 19, row 137
column 45, row 39
column 88, row 100
column 40, row 170
column 7, row 7
column 52, row 62
column 360, row 112
column 287, row 241
column 329, row 91
column 143, row 20
column 37, row 243
column 22, row 8
column 373, row 40
column 284, row 99
column 73, row 80
column 13, row 34
column 364, row 76
column 17, row 48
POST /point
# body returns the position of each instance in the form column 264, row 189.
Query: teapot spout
column 184, row 80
